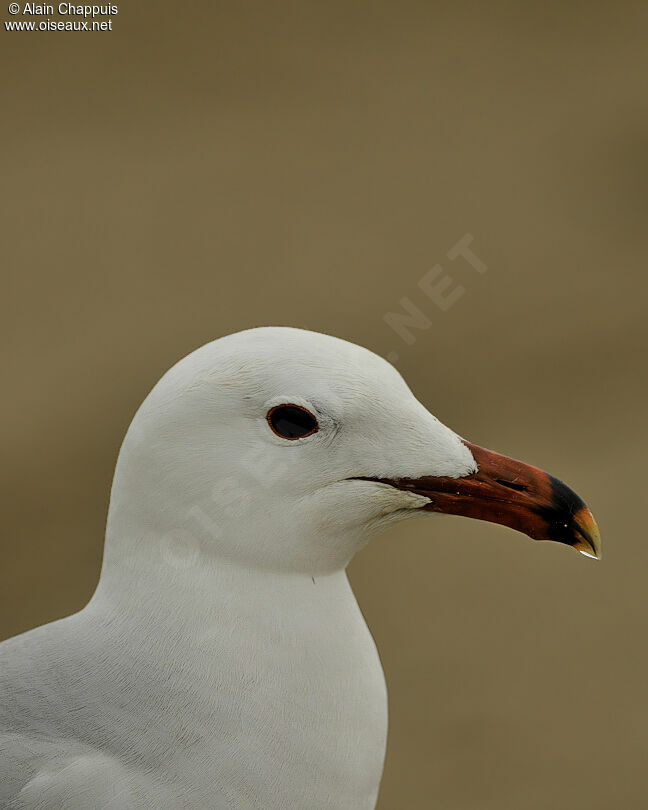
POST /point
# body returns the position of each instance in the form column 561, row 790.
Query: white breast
column 302, row 702
column 272, row 698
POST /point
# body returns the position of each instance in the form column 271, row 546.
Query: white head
column 202, row 466
column 201, row 459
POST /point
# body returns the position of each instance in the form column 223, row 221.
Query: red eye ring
column 291, row 422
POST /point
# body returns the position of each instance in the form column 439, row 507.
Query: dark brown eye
column 292, row 421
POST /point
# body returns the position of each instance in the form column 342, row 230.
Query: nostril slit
column 512, row 485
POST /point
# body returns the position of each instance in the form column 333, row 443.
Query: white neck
column 288, row 653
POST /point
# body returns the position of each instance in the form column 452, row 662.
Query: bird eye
column 292, row 421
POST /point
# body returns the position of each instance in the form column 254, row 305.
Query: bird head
column 287, row 449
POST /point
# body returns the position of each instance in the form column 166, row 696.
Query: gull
column 223, row 661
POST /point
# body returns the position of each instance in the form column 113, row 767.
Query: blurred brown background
column 208, row 167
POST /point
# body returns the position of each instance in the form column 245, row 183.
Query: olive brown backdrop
column 207, row 167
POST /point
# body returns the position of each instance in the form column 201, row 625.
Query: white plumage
column 223, row 661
